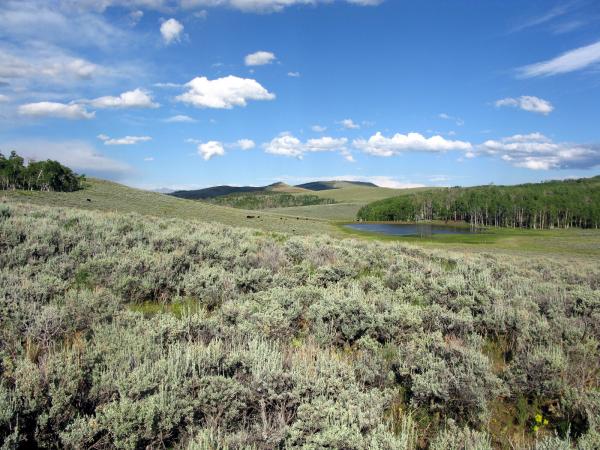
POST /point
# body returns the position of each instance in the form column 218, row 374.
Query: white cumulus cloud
column 527, row 103
column 245, row 144
column 349, row 124
column 259, row 58
column 380, row 145
column 171, row 31
column 210, row 149
column 54, row 109
column 538, row 152
column 288, row 145
column 138, row 98
column 223, row 93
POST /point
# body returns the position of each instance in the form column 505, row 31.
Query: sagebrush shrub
column 121, row 332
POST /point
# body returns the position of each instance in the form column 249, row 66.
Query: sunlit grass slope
column 108, row 196
column 350, row 198
column 311, row 220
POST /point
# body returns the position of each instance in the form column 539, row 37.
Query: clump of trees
column 552, row 204
column 265, row 200
column 37, row 175
column 285, row 342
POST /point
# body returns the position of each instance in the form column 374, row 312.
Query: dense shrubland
column 36, row 175
column 553, row 204
column 266, row 200
column 272, row 341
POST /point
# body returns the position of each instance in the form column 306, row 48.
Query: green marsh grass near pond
column 564, row 242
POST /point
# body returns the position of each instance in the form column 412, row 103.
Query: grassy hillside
column 286, row 188
column 121, row 332
column 109, row 196
column 334, row 211
column 268, row 200
column 217, row 191
column 353, row 195
column 327, row 185
column 310, row 220
column 349, row 198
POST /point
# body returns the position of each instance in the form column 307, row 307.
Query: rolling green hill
column 342, row 199
column 108, row 196
column 219, row 191
column 328, row 185
column 308, row 220
column 349, row 197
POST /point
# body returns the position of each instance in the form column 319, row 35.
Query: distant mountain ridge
column 336, row 184
column 218, row 191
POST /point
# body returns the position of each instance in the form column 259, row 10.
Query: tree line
column 268, row 199
column 36, row 175
column 550, row 204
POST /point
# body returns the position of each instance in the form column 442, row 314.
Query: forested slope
column 552, row 204
column 36, row 175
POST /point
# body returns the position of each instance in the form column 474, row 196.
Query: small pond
column 411, row 229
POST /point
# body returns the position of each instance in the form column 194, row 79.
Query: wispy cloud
column 457, row 120
column 78, row 155
column 548, row 16
column 180, row 118
column 573, row 60
column 127, row 140
column 57, row 110
column 348, row 124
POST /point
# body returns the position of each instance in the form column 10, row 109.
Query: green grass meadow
column 315, row 219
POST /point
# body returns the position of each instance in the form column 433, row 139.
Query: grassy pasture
column 570, row 242
column 312, row 220
column 109, row 196
column 349, row 197
column 351, row 193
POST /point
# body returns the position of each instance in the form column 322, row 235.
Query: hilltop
column 335, row 184
column 278, row 187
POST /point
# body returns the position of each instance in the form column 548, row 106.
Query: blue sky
column 193, row 93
